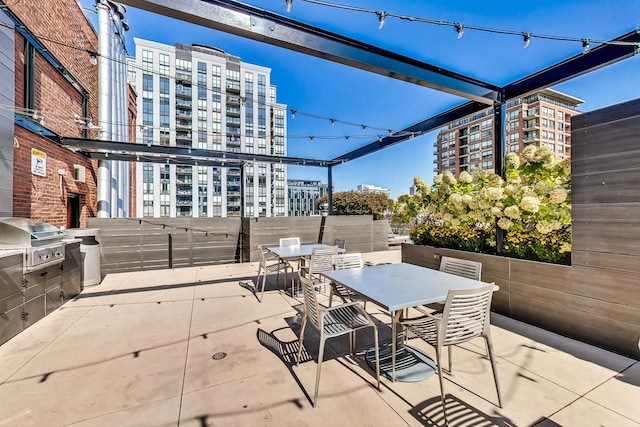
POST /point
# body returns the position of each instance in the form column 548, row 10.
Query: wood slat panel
column 618, row 336
column 607, row 187
column 621, row 312
column 607, row 236
column 629, row 263
column 582, row 212
column 604, row 140
column 608, row 114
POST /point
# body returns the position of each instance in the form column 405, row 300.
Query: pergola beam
column 176, row 155
column 247, row 21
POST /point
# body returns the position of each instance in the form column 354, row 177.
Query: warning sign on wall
column 38, row 162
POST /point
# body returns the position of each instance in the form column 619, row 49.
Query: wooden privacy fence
column 153, row 243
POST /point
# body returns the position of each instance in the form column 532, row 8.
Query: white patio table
column 396, row 287
column 296, row 251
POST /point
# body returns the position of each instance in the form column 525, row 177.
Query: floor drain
column 219, row 356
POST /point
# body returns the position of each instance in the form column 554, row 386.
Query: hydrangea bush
column 532, row 204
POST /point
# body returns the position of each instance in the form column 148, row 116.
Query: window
column 164, row 64
column 513, row 115
column 147, row 60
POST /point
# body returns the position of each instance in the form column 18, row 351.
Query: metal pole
column 330, row 189
column 499, row 148
column 170, row 244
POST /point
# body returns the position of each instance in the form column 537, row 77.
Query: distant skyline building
column 542, row 118
column 368, row 188
column 195, row 96
column 303, row 194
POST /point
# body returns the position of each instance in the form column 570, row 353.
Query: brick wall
column 60, row 25
column 43, row 198
column 62, row 28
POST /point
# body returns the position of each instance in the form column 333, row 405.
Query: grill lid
column 18, row 232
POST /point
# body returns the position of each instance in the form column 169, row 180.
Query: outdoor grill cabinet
column 28, row 296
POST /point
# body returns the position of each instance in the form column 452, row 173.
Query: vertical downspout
column 104, row 112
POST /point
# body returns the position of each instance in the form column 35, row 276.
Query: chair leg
column 300, row 345
column 493, row 366
column 320, row 356
column 377, row 350
column 439, row 366
column 449, row 350
column 264, row 279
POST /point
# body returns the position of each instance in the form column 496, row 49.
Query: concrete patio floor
column 146, row 349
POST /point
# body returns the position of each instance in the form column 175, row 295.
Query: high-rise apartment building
column 201, row 97
column 542, row 118
column 303, row 194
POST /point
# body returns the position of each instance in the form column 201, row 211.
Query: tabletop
column 295, row 251
column 399, row 286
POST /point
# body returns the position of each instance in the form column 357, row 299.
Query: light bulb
column 586, row 47
column 527, row 40
column 460, row 30
column 288, row 2
column 381, row 16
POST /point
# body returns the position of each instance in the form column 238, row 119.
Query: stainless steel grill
column 41, row 242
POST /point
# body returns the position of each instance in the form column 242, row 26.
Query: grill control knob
column 44, row 256
column 57, row 254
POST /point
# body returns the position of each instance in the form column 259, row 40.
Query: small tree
column 357, row 203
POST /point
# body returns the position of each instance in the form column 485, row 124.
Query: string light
column 381, row 16
column 333, row 123
column 288, row 2
column 460, row 27
column 586, row 46
column 93, row 58
column 527, row 40
column 293, row 114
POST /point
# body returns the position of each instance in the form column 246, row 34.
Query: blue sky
column 326, row 89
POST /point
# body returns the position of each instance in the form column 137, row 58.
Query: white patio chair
column 289, row 241
column 465, row 317
column 319, row 261
column 333, row 322
column 342, row 262
column 459, row 267
column 270, row 263
column 340, row 243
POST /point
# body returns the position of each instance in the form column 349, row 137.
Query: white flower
column 455, row 198
column 465, row 177
column 505, row 223
column 512, row 160
column 558, row 195
column 467, row 199
column 437, row 179
column 544, row 227
column 543, row 155
column 528, row 153
column 512, row 212
column 448, row 178
column 530, row 204
column 542, row 188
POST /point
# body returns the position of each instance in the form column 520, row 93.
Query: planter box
column 588, row 304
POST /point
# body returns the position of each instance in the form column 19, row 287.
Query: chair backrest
column 342, row 244
column 345, row 261
column 311, row 305
column 321, row 259
column 465, row 315
column 289, row 241
column 461, row 267
column 263, row 255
